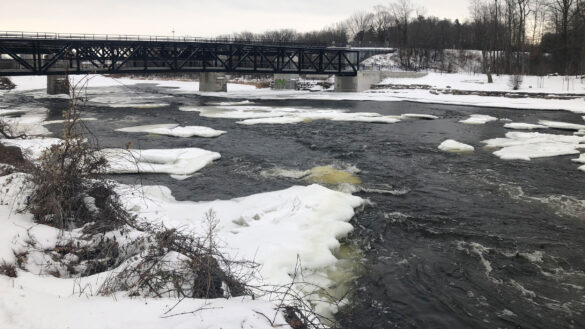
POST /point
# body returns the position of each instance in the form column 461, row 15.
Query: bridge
column 57, row 55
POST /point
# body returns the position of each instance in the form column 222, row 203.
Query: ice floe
column 478, row 119
column 138, row 101
column 524, row 126
column 251, row 115
column 418, row 116
column 561, row 125
column 528, row 145
column 175, row 130
column 454, row 146
column 184, row 161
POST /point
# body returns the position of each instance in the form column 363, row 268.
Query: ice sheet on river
column 252, row 115
column 529, row 145
column 184, row 161
column 175, row 130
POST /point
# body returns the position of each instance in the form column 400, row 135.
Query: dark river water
column 471, row 242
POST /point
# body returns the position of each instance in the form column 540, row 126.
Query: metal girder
column 20, row 56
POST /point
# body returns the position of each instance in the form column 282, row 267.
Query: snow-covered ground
column 478, row 82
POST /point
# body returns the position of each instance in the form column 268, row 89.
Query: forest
column 514, row 36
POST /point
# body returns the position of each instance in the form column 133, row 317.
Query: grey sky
column 192, row 17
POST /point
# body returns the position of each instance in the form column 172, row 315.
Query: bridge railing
column 137, row 37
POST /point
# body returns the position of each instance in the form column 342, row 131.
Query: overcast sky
column 193, row 17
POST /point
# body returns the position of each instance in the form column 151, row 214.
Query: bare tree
column 403, row 10
column 382, row 20
column 358, row 24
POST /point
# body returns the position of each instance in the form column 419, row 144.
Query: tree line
column 514, row 36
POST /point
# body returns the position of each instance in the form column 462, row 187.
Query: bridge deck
column 55, row 54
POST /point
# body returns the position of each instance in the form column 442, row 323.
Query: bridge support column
column 57, row 84
column 362, row 81
column 212, row 81
column 285, row 81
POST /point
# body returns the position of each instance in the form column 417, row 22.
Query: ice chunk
column 478, row 119
column 180, row 162
column 175, row 130
column 454, row 146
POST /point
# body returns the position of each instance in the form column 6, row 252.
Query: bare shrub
column 67, row 175
column 180, row 265
column 6, row 84
column 515, row 81
column 7, row 132
column 8, row 269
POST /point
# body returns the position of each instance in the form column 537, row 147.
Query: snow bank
column 478, row 119
column 175, row 130
column 184, row 161
column 456, row 147
column 271, row 228
column 523, row 126
column 526, row 146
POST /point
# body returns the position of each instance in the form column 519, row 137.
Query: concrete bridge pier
column 365, row 79
column 362, row 81
column 285, row 81
column 57, row 84
column 212, row 81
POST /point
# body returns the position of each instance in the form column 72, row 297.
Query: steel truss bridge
column 24, row 53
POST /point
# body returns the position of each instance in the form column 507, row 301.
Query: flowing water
column 450, row 240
